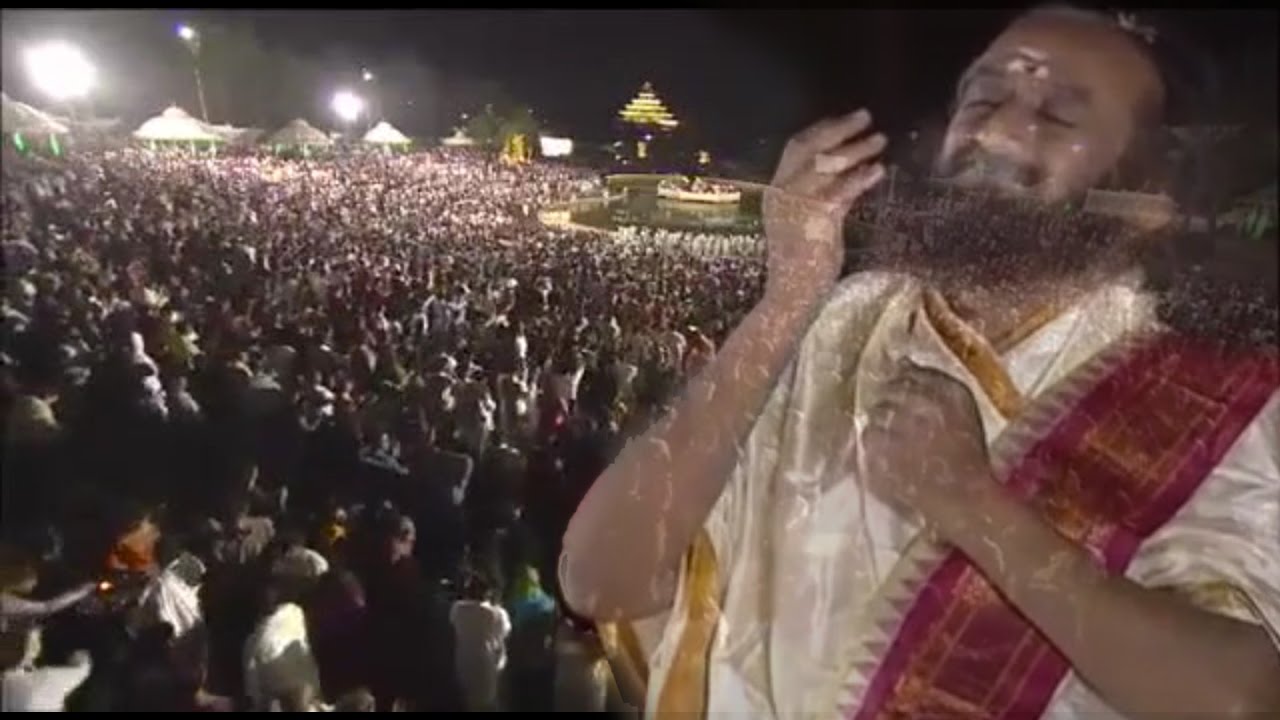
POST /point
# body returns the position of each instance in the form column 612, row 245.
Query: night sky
column 732, row 77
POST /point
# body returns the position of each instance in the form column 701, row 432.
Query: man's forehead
column 1083, row 52
column 1052, row 37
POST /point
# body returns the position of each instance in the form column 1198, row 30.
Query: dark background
column 734, row 78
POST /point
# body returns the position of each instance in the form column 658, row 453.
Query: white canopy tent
column 298, row 133
column 21, row 118
column 175, row 125
column 23, row 123
column 459, row 138
column 384, row 134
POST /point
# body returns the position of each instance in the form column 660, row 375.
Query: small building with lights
column 646, row 129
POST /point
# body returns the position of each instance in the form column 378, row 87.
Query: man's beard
column 1220, row 289
column 953, row 237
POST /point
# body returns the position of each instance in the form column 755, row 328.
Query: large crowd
column 715, row 244
column 305, row 434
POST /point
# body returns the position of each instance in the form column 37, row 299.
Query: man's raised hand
column 822, row 173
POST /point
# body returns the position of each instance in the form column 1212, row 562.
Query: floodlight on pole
column 347, row 106
column 61, row 71
column 191, row 39
column 375, row 97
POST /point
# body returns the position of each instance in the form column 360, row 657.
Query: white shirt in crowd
column 301, row 563
column 278, row 663
column 174, row 599
column 27, row 688
column 480, row 631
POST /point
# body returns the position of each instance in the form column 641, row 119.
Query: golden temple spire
column 646, row 109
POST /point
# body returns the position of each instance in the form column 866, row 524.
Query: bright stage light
column 60, row 70
column 365, row 75
column 347, row 105
column 186, row 32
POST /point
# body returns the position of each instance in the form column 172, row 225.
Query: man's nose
column 1010, row 132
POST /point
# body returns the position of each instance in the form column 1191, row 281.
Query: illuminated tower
column 646, row 125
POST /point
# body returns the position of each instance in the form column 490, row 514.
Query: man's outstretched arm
column 626, row 540
column 624, row 545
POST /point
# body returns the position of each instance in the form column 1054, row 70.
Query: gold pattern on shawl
column 975, row 354
column 1062, row 507
column 936, row 702
column 919, row 691
column 626, row 658
column 685, row 689
column 1220, row 598
column 630, row 644
column 1126, row 445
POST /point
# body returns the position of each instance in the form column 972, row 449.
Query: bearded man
column 993, row 474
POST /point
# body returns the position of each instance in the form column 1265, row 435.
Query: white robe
column 802, row 548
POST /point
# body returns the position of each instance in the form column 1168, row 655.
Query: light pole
column 62, row 72
column 368, row 78
column 191, row 39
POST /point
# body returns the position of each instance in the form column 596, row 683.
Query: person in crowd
column 436, row 488
column 582, row 670
column 31, row 419
column 530, row 673
column 172, row 598
column 401, row 631
column 21, row 576
column 527, row 600
column 242, row 537
column 280, row 671
column 359, row 700
column 333, row 535
column 134, row 550
column 481, row 628
column 158, row 679
column 338, row 625
column 297, row 566
column 28, row 687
